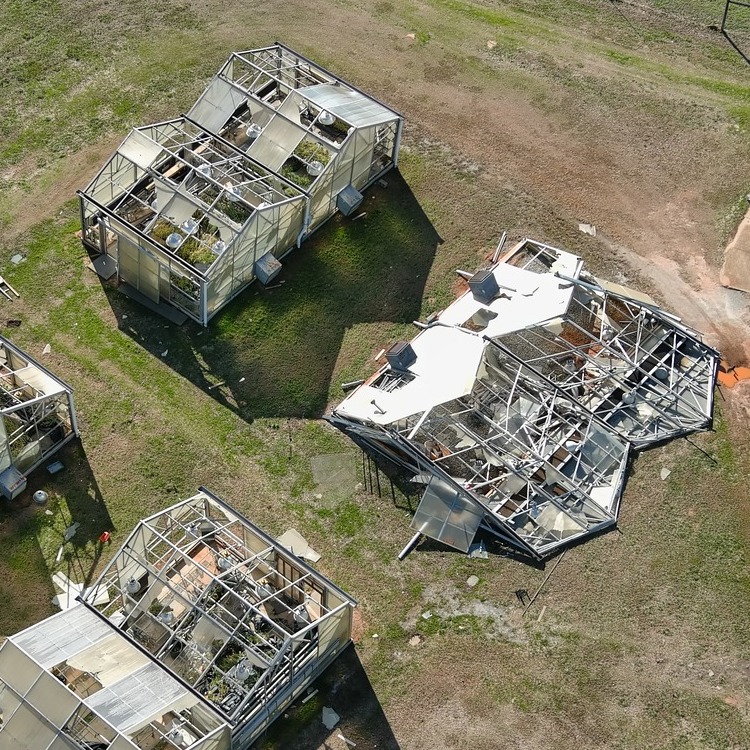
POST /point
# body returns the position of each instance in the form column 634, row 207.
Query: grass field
column 632, row 116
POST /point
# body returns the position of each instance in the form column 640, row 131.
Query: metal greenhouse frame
column 519, row 404
column 199, row 633
column 38, row 416
column 192, row 210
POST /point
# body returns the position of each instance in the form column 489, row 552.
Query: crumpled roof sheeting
column 572, row 375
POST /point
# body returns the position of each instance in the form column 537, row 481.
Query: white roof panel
column 139, row 698
column 59, row 637
column 351, row 106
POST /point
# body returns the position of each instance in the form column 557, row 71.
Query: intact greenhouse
column 190, row 211
column 199, row 633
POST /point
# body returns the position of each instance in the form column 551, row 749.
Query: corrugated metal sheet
column 351, row 106
column 55, row 639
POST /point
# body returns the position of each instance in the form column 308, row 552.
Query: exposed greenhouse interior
column 190, row 211
column 38, row 417
column 200, row 631
column 518, row 405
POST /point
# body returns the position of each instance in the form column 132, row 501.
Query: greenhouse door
column 138, row 268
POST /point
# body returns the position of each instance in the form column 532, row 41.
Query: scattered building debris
column 330, row 718
column 587, row 229
column 5, row 287
column 17, row 258
column 344, row 739
column 664, row 473
column 55, row 467
column 47, row 349
column 200, row 632
column 491, row 44
column 729, row 376
column 310, row 695
column 477, row 551
column 415, row 640
column 523, row 399
column 472, row 581
column 297, row 545
column 192, row 210
column 541, row 613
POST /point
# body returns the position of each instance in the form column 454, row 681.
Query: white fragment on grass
column 311, row 694
column 587, row 229
column 375, row 635
column 491, row 44
column 165, row 352
column 47, row 349
column 541, row 613
column 17, row 258
column 348, row 742
column 59, row 554
column 48, row 512
column 426, row 615
column 411, row 36
column 242, row 380
column 415, row 640
column 70, row 532
column 472, row 581
column 330, row 718
column 664, row 473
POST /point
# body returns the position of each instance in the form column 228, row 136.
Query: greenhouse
column 199, row 633
column 190, row 211
column 518, row 405
column 38, row 417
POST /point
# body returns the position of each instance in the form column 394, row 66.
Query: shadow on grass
column 272, row 352
column 32, row 535
column 345, row 688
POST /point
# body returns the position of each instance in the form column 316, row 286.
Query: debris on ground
column 587, row 229
column 479, row 551
column 70, row 532
column 17, row 258
column 426, row 615
column 472, row 581
column 664, row 473
column 297, row 545
column 330, row 718
column 415, row 640
column 348, row 742
column 491, row 44
column 13, row 323
column 729, row 376
column 47, row 349
column 55, row 466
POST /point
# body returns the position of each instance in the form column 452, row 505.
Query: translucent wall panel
column 115, row 179
column 26, row 730
column 50, row 697
column 365, row 141
column 216, row 105
column 17, row 669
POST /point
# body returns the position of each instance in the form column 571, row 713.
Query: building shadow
column 345, row 688
column 272, row 351
column 33, row 536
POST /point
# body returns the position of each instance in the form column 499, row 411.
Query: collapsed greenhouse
column 38, row 417
column 519, row 404
column 190, row 211
column 199, row 633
